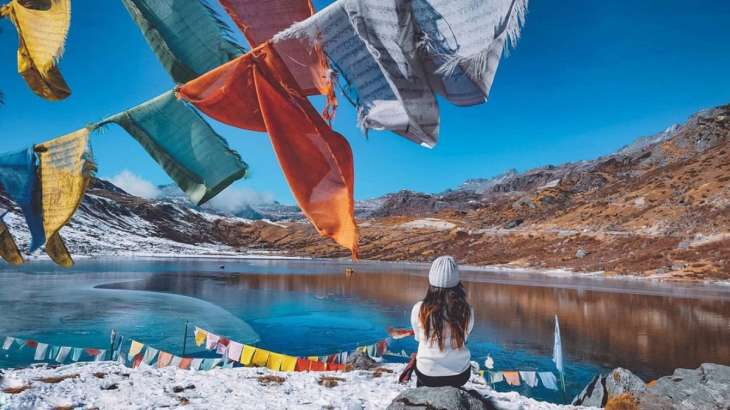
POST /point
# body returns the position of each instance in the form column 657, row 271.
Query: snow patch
column 429, row 223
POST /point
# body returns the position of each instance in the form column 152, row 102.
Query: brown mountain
column 660, row 206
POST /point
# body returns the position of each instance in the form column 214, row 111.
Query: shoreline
column 111, row 385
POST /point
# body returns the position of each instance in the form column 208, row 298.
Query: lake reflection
column 649, row 334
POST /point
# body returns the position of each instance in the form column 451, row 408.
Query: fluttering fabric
column 134, row 349
column 462, row 42
column 40, row 351
column 557, row 347
column 8, row 248
column 256, row 92
column 548, row 380
column 63, row 352
column 8, row 342
column 19, row 179
column 260, row 20
column 188, row 37
column 530, row 378
column 371, row 44
column 395, row 54
column 42, row 29
column 200, row 336
column 66, row 168
column 188, row 149
column 496, row 377
column 512, row 378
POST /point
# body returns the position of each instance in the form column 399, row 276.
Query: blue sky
column 586, row 78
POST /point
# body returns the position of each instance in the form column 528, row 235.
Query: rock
column 440, row 398
column 582, row 253
column 361, row 361
column 621, row 381
column 513, row 223
column 593, row 395
column 683, row 245
column 707, row 387
column 522, row 203
column 603, row 388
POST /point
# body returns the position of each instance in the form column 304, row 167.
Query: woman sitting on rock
column 442, row 323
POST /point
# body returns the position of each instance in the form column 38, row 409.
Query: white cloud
column 135, row 185
column 233, row 200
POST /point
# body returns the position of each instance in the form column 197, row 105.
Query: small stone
column 581, row 253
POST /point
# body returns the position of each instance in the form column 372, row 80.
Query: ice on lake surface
column 310, row 307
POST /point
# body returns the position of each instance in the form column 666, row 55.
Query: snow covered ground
column 108, row 385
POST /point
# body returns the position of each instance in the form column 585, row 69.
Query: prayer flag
column 65, row 170
column 512, row 378
column 100, row 355
column 163, row 360
column 134, row 349
column 149, row 355
column 195, row 364
column 549, row 380
column 530, row 378
column 188, row 37
column 200, row 336
column 62, row 354
column 289, row 364
column 40, row 351
column 19, row 180
column 211, row 341
column 260, row 20
column 372, row 45
column 8, row 342
column 194, row 156
column 185, row 363
column 558, row 347
column 256, row 92
column 496, row 377
column 274, row 362
column 317, row 366
column 31, row 343
column 176, row 360
column 260, row 358
column 42, row 35
column 137, row 360
column 53, row 352
column 247, row 355
column 235, row 350
column 489, row 362
column 303, row 365
column 76, row 354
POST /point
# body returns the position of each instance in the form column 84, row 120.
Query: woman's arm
column 415, row 321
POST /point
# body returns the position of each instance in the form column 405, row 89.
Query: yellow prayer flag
column 275, row 360
column 8, row 249
column 200, row 336
column 42, row 35
column 135, row 349
column 65, row 172
column 57, row 250
column 260, row 358
column 313, row 358
column 247, row 355
column 289, row 364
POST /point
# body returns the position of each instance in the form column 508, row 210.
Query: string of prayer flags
column 66, row 168
column 42, row 29
column 256, row 92
column 530, row 378
column 8, row 248
column 181, row 141
column 188, row 37
column 260, row 20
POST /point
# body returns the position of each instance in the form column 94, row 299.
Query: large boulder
column 707, row 387
column 603, row 388
column 594, row 394
column 440, row 398
column 361, row 361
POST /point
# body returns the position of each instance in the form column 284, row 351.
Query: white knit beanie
column 444, row 272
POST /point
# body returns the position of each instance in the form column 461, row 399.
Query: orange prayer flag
column 260, row 20
column 257, row 92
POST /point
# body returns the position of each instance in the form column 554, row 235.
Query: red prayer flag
column 256, row 92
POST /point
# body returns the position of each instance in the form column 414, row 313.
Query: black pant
column 441, row 381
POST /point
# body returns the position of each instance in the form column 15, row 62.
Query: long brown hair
column 445, row 305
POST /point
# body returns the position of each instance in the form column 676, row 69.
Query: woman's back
column 433, row 361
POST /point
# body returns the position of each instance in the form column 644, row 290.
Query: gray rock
column 522, row 203
column 361, row 361
column 683, row 245
column 582, row 253
column 594, row 394
column 513, row 223
column 707, row 387
column 621, row 381
column 440, row 398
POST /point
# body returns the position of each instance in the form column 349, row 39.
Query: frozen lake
column 304, row 307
